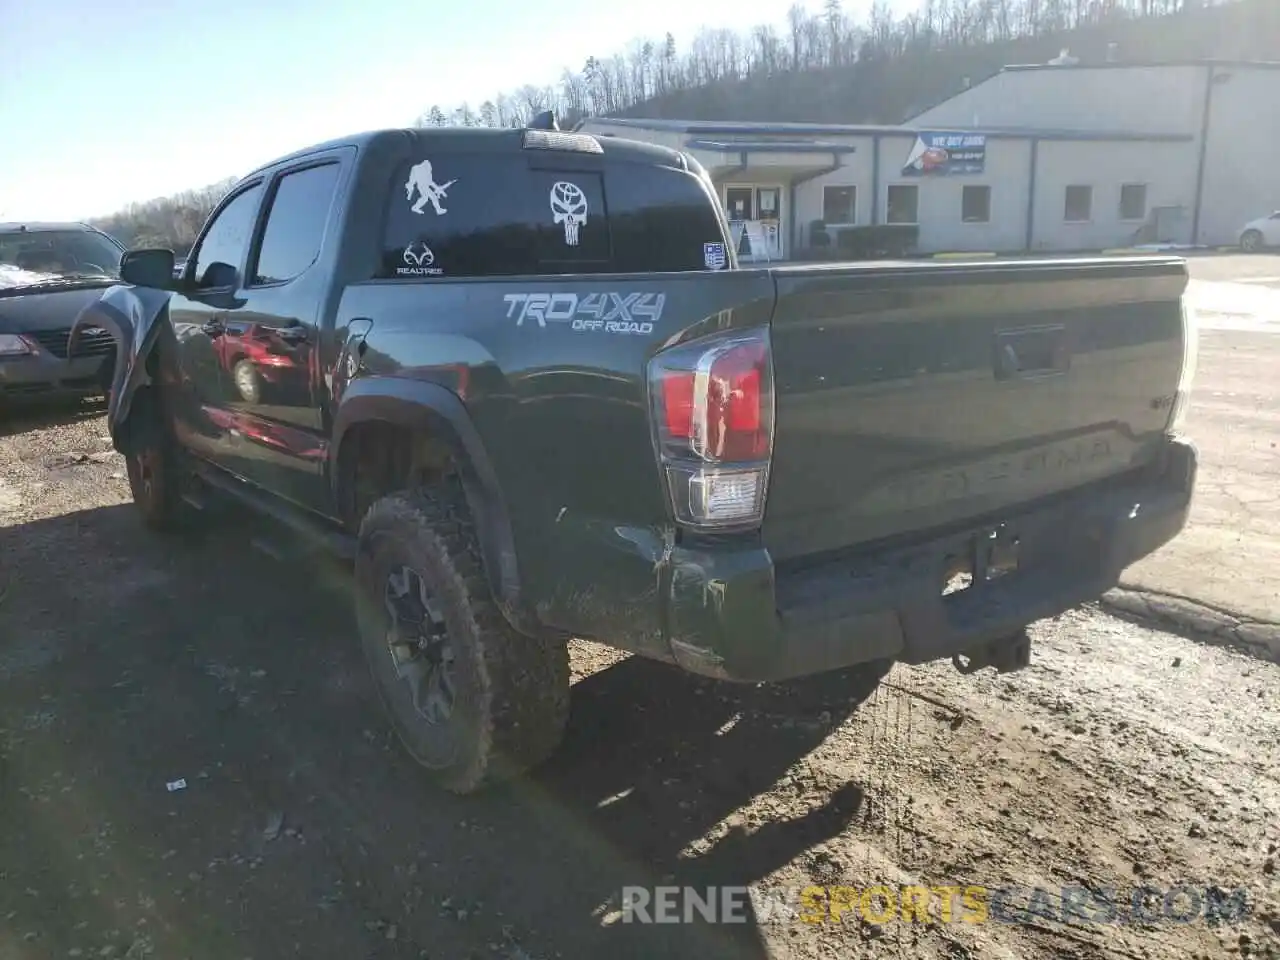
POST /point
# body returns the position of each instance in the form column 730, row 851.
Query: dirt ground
column 1123, row 757
column 1229, row 555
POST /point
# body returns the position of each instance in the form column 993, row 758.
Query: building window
column 975, row 205
column 1133, row 201
column 1079, row 204
column 840, row 205
column 903, row 204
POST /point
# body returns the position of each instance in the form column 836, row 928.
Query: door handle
column 1031, row 353
column 213, row 328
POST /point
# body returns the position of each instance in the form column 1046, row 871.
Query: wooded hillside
column 824, row 67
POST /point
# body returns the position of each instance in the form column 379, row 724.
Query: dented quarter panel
column 562, row 411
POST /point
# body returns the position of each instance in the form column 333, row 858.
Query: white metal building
column 1040, row 158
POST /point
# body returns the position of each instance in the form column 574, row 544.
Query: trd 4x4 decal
column 627, row 313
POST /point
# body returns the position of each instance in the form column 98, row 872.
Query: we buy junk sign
column 946, row 154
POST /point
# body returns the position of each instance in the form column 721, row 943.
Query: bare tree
column 667, row 73
column 796, row 18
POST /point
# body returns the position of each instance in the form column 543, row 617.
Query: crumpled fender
column 134, row 316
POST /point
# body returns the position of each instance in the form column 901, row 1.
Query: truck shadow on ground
column 128, row 662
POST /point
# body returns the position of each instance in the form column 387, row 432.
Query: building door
column 769, row 213
column 755, row 221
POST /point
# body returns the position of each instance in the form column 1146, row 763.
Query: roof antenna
column 546, row 120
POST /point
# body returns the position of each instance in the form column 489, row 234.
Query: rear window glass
column 491, row 215
column 487, row 215
column 663, row 220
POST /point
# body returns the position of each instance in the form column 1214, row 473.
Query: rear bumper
column 40, row 376
column 733, row 616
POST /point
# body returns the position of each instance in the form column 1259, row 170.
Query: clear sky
column 102, row 104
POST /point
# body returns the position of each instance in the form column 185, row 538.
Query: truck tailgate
column 915, row 396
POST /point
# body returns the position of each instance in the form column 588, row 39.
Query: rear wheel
column 471, row 699
column 152, row 466
column 1251, row 241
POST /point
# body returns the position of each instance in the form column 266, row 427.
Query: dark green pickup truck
column 519, row 378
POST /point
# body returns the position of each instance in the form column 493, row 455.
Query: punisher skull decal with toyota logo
column 569, row 206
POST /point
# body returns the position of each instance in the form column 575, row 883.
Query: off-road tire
column 247, row 381
column 152, row 465
column 512, row 691
column 1251, row 242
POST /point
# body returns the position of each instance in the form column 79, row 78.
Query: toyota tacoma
column 541, row 400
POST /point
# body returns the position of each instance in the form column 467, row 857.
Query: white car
column 1260, row 233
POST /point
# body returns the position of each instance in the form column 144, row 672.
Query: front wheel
column 1251, row 241
column 471, row 699
column 151, row 463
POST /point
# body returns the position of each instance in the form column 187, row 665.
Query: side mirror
column 219, row 276
column 148, row 268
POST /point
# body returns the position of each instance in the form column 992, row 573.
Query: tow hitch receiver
column 1006, row 654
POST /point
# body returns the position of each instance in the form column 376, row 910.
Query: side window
column 1133, row 201
column 839, row 205
column 1078, row 204
column 295, row 224
column 975, row 204
column 490, row 215
column 458, row 215
column 902, row 204
column 663, row 219
column 227, row 238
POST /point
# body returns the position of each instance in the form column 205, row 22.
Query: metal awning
column 770, row 146
column 783, row 161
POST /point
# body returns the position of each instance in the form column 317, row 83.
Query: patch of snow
column 11, row 276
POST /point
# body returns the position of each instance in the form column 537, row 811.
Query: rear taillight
column 1187, row 373
column 713, row 415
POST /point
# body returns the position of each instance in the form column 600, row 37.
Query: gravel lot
column 1122, row 757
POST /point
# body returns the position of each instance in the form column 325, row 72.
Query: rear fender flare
column 430, row 407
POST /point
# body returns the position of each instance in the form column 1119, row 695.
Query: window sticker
column 419, row 261
column 569, row 207
column 713, row 256
column 422, row 181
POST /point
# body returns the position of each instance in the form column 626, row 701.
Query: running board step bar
column 341, row 545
